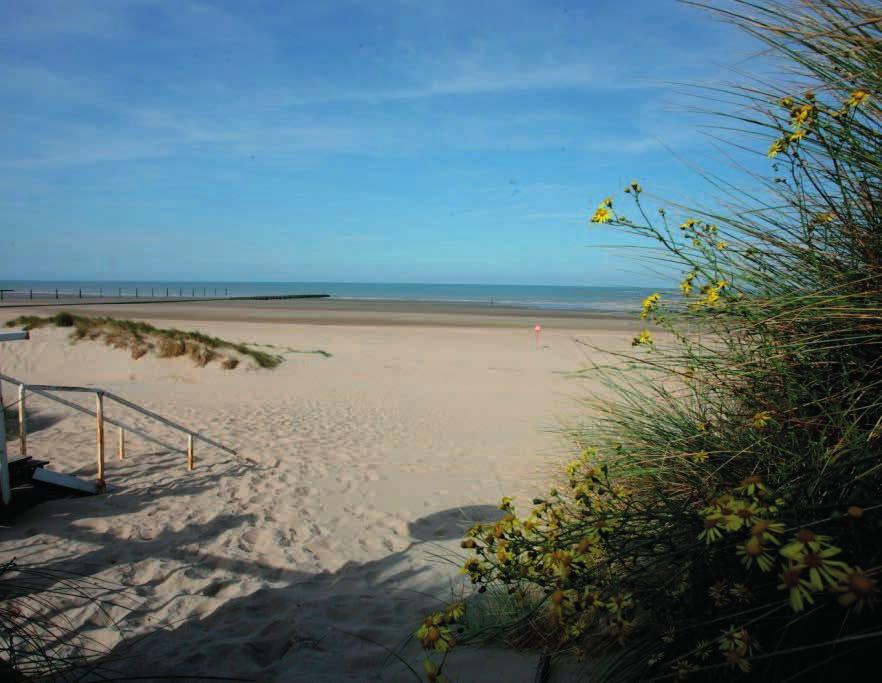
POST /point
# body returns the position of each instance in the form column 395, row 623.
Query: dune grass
column 142, row 338
column 724, row 516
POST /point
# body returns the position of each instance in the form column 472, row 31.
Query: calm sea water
column 528, row 296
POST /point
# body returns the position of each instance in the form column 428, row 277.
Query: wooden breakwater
column 11, row 298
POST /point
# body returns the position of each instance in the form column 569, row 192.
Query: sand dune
column 311, row 555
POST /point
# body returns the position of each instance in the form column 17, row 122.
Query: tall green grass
column 725, row 515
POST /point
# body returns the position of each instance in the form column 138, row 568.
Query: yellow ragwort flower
column 649, row 304
column 858, row 97
column 686, row 284
column 802, row 115
column 643, row 339
column 761, row 419
column 699, row 456
column 858, row 590
column 602, row 215
column 778, row 146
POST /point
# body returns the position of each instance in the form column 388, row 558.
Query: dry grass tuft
column 142, row 338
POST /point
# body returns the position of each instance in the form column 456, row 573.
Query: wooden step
column 21, row 470
column 67, row 481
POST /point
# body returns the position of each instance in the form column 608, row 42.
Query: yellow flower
column 711, row 530
column 721, row 245
column 711, row 295
column 766, row 530
column 778, row 146
column 786, row 102
column 802, row 115
column 472, row 566
column 753, row 552
column 761, row 419
column 699, row 456
column 505, row 504
column 798, row 589
column 686, row 284
column 643, row 339
column 688, row 224
column 649, row 304
column 822, row 569
column 826, row 217
column 752, row 484
column 797, row 135
column 805, row 541
column 602, row 215
column 607, row 202
column 858, row 590
column 456, row 611
column 858, row 97
column 636, row 187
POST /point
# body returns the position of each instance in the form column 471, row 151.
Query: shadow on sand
column 294, row 626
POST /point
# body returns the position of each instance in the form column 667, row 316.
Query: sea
column 552, row 297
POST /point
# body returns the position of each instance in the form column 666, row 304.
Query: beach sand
column 313, row 552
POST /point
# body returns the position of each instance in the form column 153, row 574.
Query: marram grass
column 142, row 338
column 724, row 516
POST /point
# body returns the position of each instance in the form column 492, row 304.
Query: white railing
column 46, row 391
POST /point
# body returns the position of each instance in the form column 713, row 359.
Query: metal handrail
column 44, row 389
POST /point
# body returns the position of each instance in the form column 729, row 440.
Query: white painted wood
column 66, row 480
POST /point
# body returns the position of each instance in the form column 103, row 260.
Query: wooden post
column 190, row 459
column 5, row 490
column 99, row 419
column 22, row 422
column 122, row 444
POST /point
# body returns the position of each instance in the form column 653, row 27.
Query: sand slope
column 311, row 554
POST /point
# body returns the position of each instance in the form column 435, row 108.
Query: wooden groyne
column 21, row 299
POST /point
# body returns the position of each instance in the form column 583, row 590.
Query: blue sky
column 359, row 140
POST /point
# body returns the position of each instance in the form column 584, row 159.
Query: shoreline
column 330, row 311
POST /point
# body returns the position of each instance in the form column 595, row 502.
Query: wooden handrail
column 44, row 389
column 92, row 413
column 166, row 421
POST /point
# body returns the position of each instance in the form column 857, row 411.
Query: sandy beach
column 314, row 552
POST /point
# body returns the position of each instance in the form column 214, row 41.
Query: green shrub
column 724, row 516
